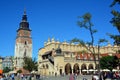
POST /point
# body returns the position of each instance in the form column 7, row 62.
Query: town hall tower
column 23, row 45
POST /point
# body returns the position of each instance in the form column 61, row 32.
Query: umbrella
column 84, row 70
column 91, row 70
column 106, row 70
column 33, row 72
column 114, row 70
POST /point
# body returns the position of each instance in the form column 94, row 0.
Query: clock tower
column 23, row 45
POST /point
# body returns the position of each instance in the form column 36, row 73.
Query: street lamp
column 98, row 58
column 99, row 61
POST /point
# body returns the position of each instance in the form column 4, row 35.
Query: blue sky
column 52, row 18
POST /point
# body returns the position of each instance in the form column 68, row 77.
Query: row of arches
column 77, row 69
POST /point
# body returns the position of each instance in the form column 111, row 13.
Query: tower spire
column 24, row 11
column 24, row 18
column 24, row 25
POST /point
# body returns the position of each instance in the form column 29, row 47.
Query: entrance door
column 60, row 71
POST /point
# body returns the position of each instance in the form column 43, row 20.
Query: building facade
column 7, row 62
column 23, row 45
column 65, row 58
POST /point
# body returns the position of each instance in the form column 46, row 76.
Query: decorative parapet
column 65, row 46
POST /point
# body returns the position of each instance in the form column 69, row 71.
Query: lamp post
column 98, row 58
column 99, row 61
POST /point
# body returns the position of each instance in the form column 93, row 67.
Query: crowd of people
column 20, row 77
column 106, row 75
column 102, row 76
column 74, row 76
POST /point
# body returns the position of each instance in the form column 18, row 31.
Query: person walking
column 1, row 77
column 13, row 76
column 75, row 76
column 71, row 76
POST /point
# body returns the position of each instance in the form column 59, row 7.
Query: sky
column 52, row 18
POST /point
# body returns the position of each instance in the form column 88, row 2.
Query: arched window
column 25, row 42
column 68, row 68
column 47, row 66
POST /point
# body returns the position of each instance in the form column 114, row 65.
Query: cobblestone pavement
column 80, row 77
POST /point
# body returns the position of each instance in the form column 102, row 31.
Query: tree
column 116, row 19
column 87, row 24
column 115, row 22
column 30, row 64
column 116, row 39
column 99, row 42
column 19, row 71
column 115, row 2
column 109, row 62
column 6, row 70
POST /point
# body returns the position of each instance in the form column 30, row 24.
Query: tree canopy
column 115, row 22
column 109, row 62
column 30, row 64
column 85, row 22
column 6, row 70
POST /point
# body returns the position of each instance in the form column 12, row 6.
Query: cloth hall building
column 57, row 58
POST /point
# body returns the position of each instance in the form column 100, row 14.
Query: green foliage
column 30, row 64
column 19, row 71
column 85, row 22
column 6, row 70
column 115, row 2
column 82, row 51
column 82, row 43
column 116, row 38
column 102, row 41
column 115, row 22
column 119, row 51
column 109, row 62
column 116, row 19
column 77, row 41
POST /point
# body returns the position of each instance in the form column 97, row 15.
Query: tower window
column 25, row 43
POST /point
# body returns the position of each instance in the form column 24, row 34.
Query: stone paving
column 80, row 77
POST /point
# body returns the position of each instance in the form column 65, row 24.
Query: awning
column 105, row 70
column 92, row 70
column 114, row 70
